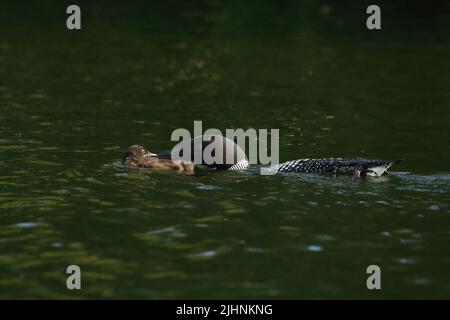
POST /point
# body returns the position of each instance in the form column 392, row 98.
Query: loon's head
column 137, row 155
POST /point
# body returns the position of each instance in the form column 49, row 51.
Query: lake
column 72, row 102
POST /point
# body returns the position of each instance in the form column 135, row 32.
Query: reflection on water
column 139, row 233
column 69, row 111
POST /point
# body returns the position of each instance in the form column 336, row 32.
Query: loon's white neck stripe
column 240, row 165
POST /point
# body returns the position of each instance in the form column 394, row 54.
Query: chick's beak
column 150, row 154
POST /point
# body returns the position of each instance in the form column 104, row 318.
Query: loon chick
column 356, row 166
column 138, row 156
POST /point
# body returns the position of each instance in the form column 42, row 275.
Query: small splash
column 204, row 254
column 161, row 230
column 25, row 225
column 406, row 261
column 314, row 248
column 56, row 244
column 434, row 207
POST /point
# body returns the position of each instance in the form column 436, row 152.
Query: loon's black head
column 137, row 155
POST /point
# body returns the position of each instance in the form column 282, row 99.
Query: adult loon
column 359, row 167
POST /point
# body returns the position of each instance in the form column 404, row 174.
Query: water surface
column 71, row 103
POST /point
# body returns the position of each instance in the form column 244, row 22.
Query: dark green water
column 72, row 102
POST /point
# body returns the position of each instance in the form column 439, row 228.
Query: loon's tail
column 380, row 169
